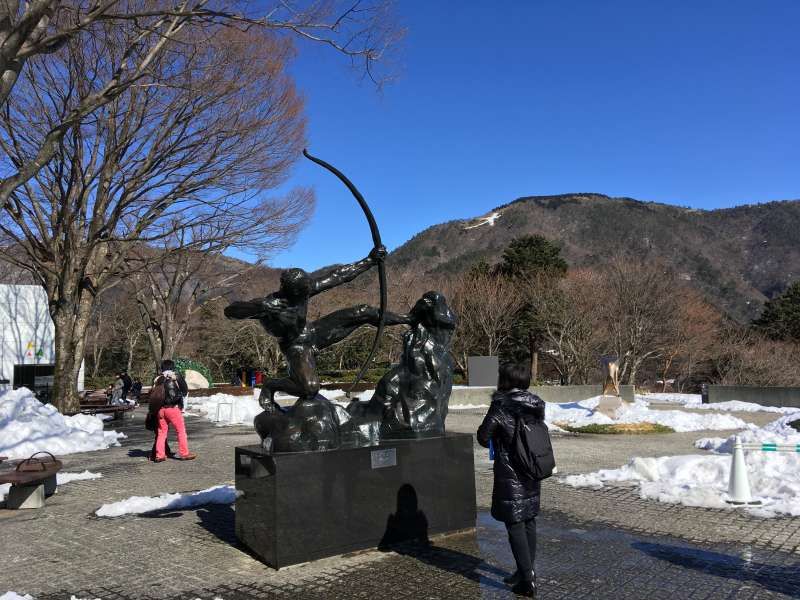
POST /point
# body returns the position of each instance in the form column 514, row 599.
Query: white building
column 27, row 349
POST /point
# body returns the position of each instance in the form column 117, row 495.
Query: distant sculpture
column 412, row 398
column 610, row 367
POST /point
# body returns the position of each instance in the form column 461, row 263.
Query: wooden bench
column 94, row 403
column 32, row 480
column 117, row 410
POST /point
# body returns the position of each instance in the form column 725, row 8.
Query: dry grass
column 617, row 428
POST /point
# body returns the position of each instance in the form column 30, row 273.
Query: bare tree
column 487, row 307
column 568, row 323
column 216, row 121
column 691, row 337
column 638, row 303
column 176, row 280
column 29, row 30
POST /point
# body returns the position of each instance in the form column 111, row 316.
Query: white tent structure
column 26, row 338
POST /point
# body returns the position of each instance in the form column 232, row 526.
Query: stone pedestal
column 26, row 496
column 609, row 405
column 297, row 507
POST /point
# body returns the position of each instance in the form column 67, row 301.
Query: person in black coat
column 515, row 497
column 127, row 382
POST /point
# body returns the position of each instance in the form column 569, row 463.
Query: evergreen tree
column 780, row 319
column 532, row 255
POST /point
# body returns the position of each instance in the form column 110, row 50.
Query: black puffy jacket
column 515, row 497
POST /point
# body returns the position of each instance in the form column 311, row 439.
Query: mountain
column 739, row 257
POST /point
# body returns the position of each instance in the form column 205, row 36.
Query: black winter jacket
column 515, row 497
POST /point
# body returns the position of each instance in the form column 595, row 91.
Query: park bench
column 94, row 403
column 32, row 480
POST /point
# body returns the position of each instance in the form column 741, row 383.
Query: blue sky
column 687, row 102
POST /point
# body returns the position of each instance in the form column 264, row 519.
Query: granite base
column 298, row 507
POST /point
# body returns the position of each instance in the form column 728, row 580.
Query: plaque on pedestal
column 301, row 506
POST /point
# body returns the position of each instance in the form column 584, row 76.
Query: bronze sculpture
column 410, row 400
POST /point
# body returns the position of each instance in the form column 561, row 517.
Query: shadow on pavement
column 452, row 561
column 783, row 579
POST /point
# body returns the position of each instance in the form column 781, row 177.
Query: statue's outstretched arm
column 339, row 274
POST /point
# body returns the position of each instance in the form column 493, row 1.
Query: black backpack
column 531, row 449
column 172, row 392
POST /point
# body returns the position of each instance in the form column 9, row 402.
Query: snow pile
column 62, row 478
column 225, row 409
column 671, row 398
column 16, row 596
column 702, row 480
column 777, row 432
column 695, row 401
column 220, row 494
column 738, row 405
column 578, row 414
column 28, row 426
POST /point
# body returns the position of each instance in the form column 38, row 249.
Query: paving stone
column 592, row 544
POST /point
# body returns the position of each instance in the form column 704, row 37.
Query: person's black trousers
column 522, row 537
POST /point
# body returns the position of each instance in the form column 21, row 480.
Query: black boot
column 524, row 588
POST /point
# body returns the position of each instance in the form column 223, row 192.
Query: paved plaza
column 607, row 543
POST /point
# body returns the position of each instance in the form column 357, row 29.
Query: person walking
column 136, row 390
column 171, row 388
column 116, row 389
column 515, row 495
column 127, row 382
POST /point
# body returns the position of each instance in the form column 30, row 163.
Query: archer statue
column 283, row 314
column 313, row 423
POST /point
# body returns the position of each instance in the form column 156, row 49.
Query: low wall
column 549, row 393
column 768, row 396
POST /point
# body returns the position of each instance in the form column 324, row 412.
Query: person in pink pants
column 171, row 412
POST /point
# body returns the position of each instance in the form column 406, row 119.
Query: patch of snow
column 739, row 406
column 62, row 477
column 702, row 480
column 487, row 220
column 28, row 426
column 16, row 596
column 583, row 413
column 695, row 401
column 220, row 494
column 225, row 409
column 466, row 406
column 671, row 398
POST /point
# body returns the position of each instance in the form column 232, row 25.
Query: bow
column 376, row 239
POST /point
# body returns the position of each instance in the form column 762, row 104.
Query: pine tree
column 532, row 255
column 780, row 319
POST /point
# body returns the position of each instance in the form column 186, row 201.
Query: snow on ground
column 61, row 479
column 739, row 406
column 225, row 409
column 28, row 426
column 583, row 413
column 467, row 406
column 695, row 401
column 671, row 398
column 220, row 494
column 702, row 479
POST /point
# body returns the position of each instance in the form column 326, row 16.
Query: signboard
column 384, row 458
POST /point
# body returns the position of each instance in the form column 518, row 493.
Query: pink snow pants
column 166, row 417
